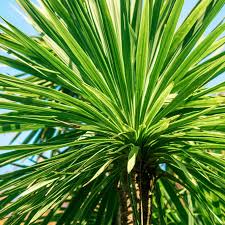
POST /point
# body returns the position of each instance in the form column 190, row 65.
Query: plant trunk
column 146, row 184
column 136, row 198
column 125, row 212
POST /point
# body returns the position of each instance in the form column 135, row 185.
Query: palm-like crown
column 122, row 126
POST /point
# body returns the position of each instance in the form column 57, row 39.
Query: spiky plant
column 122, row 128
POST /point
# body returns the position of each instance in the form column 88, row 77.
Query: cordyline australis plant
column 122, row 129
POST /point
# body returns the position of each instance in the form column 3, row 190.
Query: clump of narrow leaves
column 121, row 127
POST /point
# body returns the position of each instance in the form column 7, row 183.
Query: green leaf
column 99, row 172
column 132, row 158
column 35, row 187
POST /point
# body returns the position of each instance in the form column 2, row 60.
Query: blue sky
column 8, row 10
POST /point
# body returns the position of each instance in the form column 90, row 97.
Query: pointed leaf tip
column 132, row 158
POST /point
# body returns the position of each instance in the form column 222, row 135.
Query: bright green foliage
column 106, row 86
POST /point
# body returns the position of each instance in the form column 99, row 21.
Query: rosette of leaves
column 121, row 126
